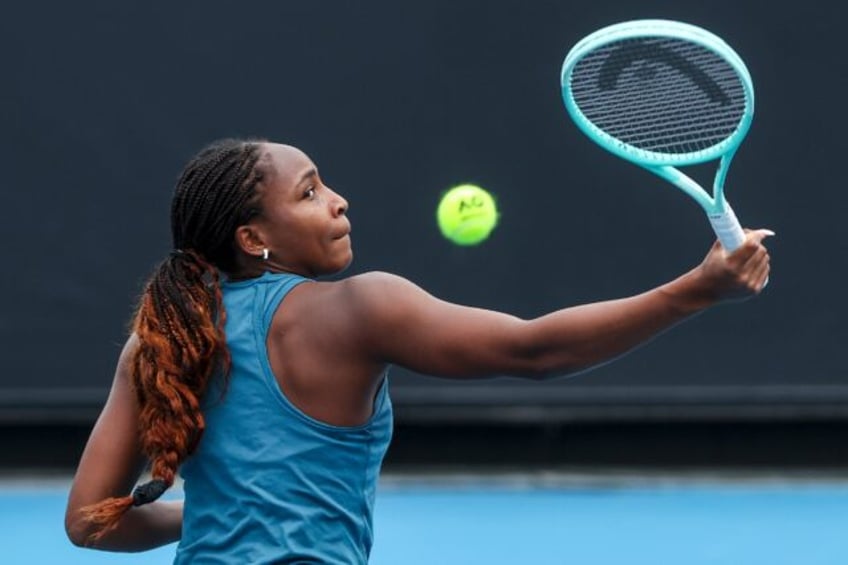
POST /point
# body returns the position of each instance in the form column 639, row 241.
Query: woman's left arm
column 110, row 466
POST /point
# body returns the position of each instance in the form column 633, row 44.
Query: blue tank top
column 267, row 483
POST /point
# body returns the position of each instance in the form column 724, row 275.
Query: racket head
column 658, row 92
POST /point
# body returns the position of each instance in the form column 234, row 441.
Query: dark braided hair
column 180, row 318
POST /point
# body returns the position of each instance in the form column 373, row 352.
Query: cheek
column 291, row 231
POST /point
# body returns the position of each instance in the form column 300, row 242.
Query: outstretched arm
column 110, row 466
column 401, row 324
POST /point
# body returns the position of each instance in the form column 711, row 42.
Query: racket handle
column 728, row 229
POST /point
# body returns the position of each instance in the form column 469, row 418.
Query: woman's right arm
column 398, row 323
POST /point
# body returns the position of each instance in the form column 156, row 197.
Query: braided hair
column 180, row 317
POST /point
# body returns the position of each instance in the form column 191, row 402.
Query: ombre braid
column 180, row 317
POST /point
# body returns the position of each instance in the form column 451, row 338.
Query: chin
column 346, row 263
column 339, row 266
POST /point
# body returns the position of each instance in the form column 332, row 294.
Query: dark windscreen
column 104, row 102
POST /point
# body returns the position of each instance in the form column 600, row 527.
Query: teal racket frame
column 664, row 165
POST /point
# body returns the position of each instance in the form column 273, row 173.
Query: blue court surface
column 486, row 521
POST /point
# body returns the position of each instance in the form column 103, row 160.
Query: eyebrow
column 308, row 174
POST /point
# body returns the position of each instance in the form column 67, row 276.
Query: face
column 303, row 221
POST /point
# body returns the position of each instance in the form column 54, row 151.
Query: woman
column 267, row 389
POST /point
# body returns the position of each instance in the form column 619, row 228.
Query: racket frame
column 665, row 165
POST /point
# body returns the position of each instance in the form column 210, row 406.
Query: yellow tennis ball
column 467, row 214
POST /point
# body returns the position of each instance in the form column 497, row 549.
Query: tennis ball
column 467, row 214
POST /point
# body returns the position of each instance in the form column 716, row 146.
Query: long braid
column 180, row 318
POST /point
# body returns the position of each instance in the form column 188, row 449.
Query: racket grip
column 728, row 229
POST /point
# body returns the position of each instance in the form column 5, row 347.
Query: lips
column 342, row 234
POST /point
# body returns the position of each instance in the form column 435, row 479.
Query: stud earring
column 265, row 254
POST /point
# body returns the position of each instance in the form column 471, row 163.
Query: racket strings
column 628, row 110
column 672, row 133
column 665, row 95
column 624, row 95
column 670, row 124
column 625, row 106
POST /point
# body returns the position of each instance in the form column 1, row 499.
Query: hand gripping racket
column 664, row 94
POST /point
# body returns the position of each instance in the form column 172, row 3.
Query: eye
column 309, row 192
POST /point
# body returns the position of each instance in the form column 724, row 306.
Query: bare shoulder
column 128, row 350
column 358, row 290
column 377, row 282
column 379, row 292
column 123, row 367
column 396, row 322
column 366, row 302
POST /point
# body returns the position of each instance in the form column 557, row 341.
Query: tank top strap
column 279, row 285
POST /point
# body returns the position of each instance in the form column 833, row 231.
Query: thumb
column 758, row 235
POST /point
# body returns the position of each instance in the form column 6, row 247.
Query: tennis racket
column 662, row 95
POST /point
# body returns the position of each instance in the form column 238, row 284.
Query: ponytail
column 180, row 329
column 180, row 318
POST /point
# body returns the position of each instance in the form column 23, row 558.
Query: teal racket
column 662, row 95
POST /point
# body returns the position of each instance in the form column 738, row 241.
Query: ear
column 249, row 240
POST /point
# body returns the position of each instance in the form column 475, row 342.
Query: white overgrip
column 727, row 228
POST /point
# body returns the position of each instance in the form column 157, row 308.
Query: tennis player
column 266, row 388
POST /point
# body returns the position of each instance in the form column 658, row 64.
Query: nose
column 338, row 203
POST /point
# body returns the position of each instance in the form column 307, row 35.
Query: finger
column 758, row 235
column 761, row 276
column 753, row 242
column 759, row 255
column 744, row 252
